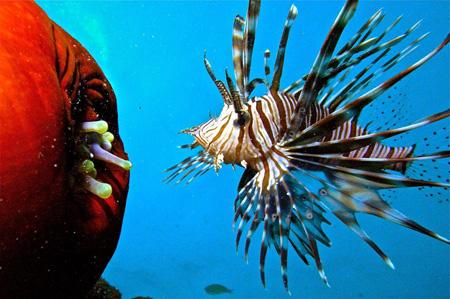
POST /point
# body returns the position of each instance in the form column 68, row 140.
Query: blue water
column 176, row 239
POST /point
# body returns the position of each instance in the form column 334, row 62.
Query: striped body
column 269, row 119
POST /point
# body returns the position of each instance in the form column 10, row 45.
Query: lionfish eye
column 243, row 118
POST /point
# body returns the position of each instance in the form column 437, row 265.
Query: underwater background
column 177, row 239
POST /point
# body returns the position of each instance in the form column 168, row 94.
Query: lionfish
column 310, row 129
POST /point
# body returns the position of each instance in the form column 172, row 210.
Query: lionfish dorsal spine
column 249, row 40
column 238, row 51
column 279, row 61
column 310, row 88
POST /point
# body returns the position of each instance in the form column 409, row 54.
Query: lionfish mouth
column 190, row 131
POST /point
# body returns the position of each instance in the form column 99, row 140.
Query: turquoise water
column 176, row 240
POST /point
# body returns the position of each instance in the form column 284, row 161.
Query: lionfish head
column 205, row 133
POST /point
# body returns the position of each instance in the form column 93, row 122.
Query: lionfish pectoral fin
column 190, row 168
column 350, row 188
column 218, row 160
column 289, row 212
column 189, row 146
column 344, row 208
column 359, row 198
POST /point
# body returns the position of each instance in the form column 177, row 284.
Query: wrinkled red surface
column 54, row 238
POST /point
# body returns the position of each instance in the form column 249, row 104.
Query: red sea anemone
column 63, row 173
